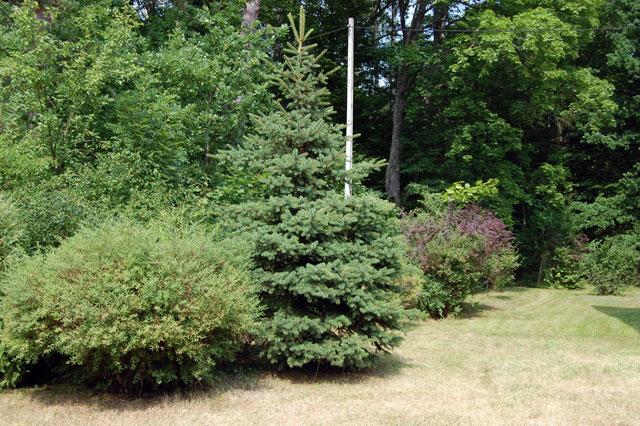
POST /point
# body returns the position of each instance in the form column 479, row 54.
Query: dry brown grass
column 523, row 356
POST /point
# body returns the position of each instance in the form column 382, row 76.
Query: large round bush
column 129, row 307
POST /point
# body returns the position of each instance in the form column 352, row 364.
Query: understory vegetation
column 172, row 177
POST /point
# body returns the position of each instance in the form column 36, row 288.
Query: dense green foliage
column 128, row 307
column 511, row 106
column 539, row 95
column 460, row 251
column 326, row 264
column 568, row 269
column 119, row 104
column 11, row 229
column 101, row 110
column 452, row 276
column 614, row 263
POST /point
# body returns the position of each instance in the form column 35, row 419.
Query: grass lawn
column 522, row 356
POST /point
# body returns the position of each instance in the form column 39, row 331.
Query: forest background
column 109, row 107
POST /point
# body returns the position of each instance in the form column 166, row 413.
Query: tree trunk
column 392, row 175
column 440, row 18
column 543, row 261
column 251, row 11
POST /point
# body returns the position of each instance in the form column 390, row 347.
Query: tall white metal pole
column 348, row 190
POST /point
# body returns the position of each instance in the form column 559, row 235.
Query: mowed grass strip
column 521, row 356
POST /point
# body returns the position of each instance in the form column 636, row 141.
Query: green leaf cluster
column 11, row 229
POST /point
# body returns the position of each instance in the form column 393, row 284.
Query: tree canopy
column 109, row 105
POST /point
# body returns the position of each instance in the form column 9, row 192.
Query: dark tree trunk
column 251, row 11
column 392, row 177
column 403, row 75
column 440, row 18
column 543, row 261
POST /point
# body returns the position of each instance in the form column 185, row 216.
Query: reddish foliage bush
column 476, row 221
column 472, row 221
column 459, row 251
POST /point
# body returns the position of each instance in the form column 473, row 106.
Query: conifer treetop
column 302, row 81
column 297, row 150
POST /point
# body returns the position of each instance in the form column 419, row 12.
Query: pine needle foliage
column 326, row 264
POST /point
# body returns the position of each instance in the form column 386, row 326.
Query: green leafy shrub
column 568, row 269
column 11, row 229
column 613, row 264
column 439, row 299
column 49, row 216
column 129, row 307
column 551, row 222
column 410, row 284
column 464, row 193
column 451, row 274
column 459, row 250
column 498, row 268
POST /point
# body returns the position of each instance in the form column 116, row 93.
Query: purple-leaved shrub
column 459, row 250
column 476, row 221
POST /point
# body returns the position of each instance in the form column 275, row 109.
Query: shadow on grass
column 506, row 293
column 385, row 366
column 514, row 289
column 502, row 297
column 471, row 310
column 475, row 309
column 64, row 395
column 630, row 316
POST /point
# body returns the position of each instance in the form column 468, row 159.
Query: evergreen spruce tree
column 326, row 263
